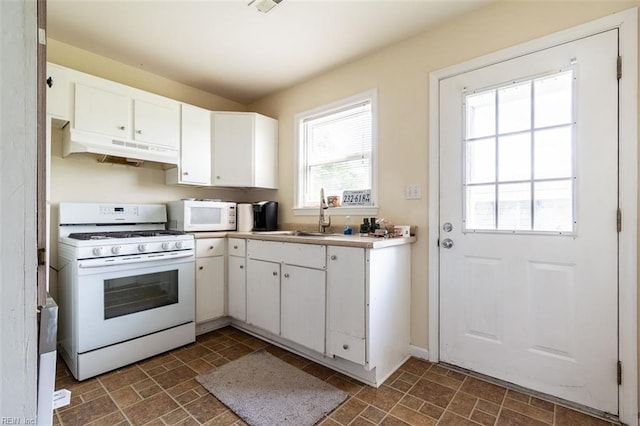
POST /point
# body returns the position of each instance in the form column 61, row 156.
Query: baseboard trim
column 419, row 352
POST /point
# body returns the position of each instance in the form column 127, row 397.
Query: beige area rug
column 264, row 390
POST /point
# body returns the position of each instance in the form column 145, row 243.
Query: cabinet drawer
column 347, row 347
column 307, row 255
column 210, row 247
column 237, row 247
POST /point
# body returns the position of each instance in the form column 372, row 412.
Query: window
column 519, row 150
column 336, row 151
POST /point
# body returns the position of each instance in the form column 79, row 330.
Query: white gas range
column 126, row 285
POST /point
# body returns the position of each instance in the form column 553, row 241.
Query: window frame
column 300, row 161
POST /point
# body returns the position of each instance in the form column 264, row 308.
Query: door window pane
column 514, row 108
column 481, row 161
column 514, row 206
column 481, row 115
column 553, row 153
column 519, row 175
column 481, row 207
column 553, row 101
column 514, row 157
column 553, row 205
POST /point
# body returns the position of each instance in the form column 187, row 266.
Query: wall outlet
column 413, row 191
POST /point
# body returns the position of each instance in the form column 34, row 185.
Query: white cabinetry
column 195, row 148
column 245, row 150
column 210, row 295
column 263, row 295
column 237, row 279
column 58, row 93
column 292, row 278
column 303, row 306
column 346, row 286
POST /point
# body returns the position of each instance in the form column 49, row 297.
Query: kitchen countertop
column 328, row 239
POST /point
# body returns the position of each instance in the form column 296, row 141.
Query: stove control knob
column 165, row 246
column 115, row 249
column 178, row 244
column 97, row 251
column 142, row 247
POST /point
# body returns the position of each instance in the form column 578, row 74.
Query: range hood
column 78, row 141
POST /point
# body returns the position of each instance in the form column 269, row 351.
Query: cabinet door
column 303, row 306
column 346, row 287
column 102, row 112
column 57, row 92
column 157, row 123
column 209, row 288
column 233, row 149
column 195, row 145
column 263, row 295
column 237, row 287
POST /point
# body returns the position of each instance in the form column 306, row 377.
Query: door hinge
column 619, row 373
column 619, row 220
column 619, row 67
column 42, row 256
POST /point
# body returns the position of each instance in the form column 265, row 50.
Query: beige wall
column 401, row 75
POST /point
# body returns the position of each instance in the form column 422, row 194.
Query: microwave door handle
column 97, row 263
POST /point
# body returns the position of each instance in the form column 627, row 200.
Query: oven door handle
column 128, row 260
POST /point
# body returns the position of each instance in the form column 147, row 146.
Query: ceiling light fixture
column 264, row 5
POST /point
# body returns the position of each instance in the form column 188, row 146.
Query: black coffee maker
column 265, row 216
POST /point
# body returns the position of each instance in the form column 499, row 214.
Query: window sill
column 338, row 211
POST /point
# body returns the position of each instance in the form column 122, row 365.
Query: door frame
column 627, row 23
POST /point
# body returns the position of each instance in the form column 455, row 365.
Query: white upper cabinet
column 195, row 148
column 245, row 150
column 58, row 92
column 101, row 111
column 156, row 122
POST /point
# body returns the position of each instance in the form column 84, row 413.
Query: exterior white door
column 528, row 206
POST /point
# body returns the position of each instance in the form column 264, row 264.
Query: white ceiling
column 228, row 48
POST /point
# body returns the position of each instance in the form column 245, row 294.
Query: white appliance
column 193, row 215
column 126, row 286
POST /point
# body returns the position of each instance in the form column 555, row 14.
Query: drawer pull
column 286, row 275
column 241, row 266
column 201, row 268
column 211, row 248
column 235, row 247
column 345, row 347
column 275, row 273
column 334, row 257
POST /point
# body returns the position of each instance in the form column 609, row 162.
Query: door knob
column 447, row 243
column 447, row 227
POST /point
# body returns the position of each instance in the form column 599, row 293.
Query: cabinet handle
column 50, row 81
column 185, row 173
column 241, row 266
column 345, row 347
column 286, row 275
column 334, row 257
column 235, row 247
column 275, row 273
column 121, row 127
column 139, row 132
column 201, row 268
column 211, row 248
column 217, row 177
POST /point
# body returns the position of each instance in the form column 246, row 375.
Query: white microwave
column 201, row 215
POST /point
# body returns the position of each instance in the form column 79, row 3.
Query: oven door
column 123, row 301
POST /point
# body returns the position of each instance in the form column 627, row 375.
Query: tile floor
column 162, row 391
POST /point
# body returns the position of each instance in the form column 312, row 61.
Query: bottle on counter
column 364, row 226
column 347, row 226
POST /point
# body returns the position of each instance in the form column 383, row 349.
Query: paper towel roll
column 245, row 217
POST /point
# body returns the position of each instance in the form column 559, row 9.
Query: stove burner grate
column 122, row 234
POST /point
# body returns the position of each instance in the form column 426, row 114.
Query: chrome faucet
column 323, row 222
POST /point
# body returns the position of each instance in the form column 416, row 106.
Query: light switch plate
column 413, row 191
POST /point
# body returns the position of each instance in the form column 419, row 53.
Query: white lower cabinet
column 346, row 307
column 263, row 295
column 237, row 279
column 210, row 295
column 303, row 306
